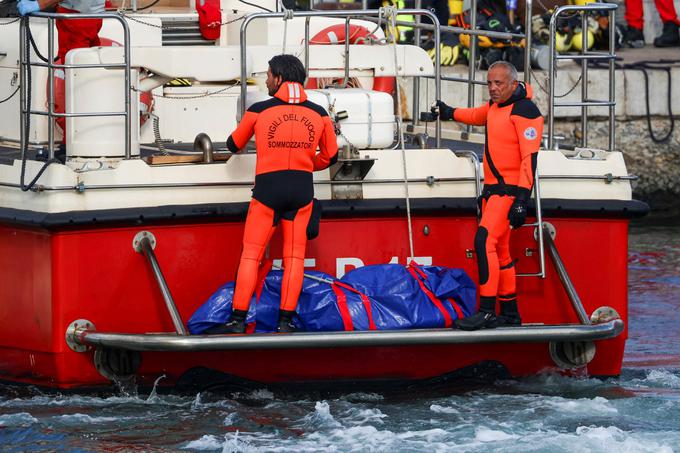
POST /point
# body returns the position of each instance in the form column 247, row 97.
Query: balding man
column 514, row 126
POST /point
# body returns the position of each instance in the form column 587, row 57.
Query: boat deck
column 10, row 151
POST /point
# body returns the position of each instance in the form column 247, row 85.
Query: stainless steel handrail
column 584, row 57
column 143, row 244
column 347, row 15
column 566, row 281
column 473, row 32
column 539, row 229
column 368, row 338
column 477, row 179
column 25, row 60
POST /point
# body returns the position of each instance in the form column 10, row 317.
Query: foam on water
column 207, row 442
column 639, row 412
column 18, row 419
column 443, row 409
column 597, row 405
column 84, row 418
column 484, row 434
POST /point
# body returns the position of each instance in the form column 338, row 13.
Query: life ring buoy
column 335, row 34
column 146, row 101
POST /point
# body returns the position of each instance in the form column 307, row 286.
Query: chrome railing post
column 612, row 81
column 128, row 117
column 416, row 80
column 566, row 281
column 51, row 66
column 584, row 79
column 437, row 74
column 584, row 56
column 144, row 242
column 539, row 222
column 347, row 40
column 50, row 88
column 551, row 82
column 527, row 41
column 307, row 19
column 347, row 15
column 473, row 58
column 24, row 61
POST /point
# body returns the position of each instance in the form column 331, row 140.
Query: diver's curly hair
column 289, row 67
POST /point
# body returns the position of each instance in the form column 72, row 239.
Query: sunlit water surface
column 638, row 412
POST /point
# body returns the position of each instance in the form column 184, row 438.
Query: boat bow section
column 167, row 342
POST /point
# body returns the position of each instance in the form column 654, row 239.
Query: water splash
column 153, row 396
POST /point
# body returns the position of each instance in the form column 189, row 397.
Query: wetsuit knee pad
column 480, row 248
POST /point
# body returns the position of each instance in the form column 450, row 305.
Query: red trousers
column 260, row 226
column 76, row 33
column 73, row 34
column 634, row 16
column 492, row 246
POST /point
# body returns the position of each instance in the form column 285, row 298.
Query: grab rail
column 585, row 57
column 25, row 61
column 347, row 15
column 346, row 339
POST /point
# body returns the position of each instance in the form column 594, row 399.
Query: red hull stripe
column 364, row 300
column 448, row 322
column 342, row 307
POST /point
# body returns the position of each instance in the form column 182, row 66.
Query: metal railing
column 539, row 225
column 363, row 14
column 25, row 62
column 472, row 68
column 584, row 57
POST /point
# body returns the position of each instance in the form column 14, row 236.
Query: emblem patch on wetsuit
column 530, row 133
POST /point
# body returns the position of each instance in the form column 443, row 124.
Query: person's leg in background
column 635, row 20
column 670, row 35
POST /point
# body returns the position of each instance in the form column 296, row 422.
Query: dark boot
column 634, row 38
column 509, row 316
column 237, row 324
column 669, row 37
column 484, row 319
column 286, row 322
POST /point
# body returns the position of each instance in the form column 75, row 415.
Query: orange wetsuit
column 288, row 130
column 513, row 137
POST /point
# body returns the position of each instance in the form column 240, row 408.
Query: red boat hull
column 51, row 278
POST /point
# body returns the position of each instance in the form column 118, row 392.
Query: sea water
column 638, row 412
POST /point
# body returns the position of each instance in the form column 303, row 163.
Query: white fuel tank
column 370, row 122
column 97, row 90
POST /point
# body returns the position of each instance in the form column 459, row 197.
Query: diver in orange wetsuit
column 514, row 126
column 288, row 130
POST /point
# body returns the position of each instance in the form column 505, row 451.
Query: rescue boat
column 107, row 250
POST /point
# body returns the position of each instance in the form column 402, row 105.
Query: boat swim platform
column 82, row 334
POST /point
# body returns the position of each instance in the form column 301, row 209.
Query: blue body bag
column 378, row 297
